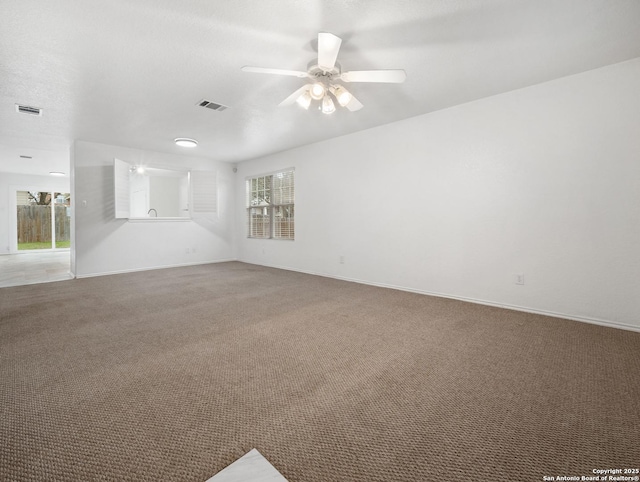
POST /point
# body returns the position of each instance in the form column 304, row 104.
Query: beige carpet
column 174, row 374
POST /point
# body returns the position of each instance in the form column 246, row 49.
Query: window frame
column 267, row 192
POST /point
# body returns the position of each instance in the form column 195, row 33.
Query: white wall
column 9, row 184
column 164, row 193
column 105, row 245
column 543, row 181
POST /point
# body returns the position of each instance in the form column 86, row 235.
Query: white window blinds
column 205, row 191
column 270, row 206
column 121, row 178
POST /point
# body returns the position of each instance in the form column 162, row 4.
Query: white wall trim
column 583, row 319
column 134, row 270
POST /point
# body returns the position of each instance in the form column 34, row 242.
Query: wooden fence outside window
column 34, row 224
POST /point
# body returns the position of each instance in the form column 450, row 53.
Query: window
column 270, row 206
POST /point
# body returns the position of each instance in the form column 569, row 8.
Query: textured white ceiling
column 130, row 72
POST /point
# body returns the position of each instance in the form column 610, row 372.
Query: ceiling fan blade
column 293, row 97
column 354, row 104
column 261, row 70
column 387, row 76
column 328, row 48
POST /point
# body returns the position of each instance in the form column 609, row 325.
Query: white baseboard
column 135, row 270
column 583, row 319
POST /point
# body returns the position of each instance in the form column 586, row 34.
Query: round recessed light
column 185, row 142
column 56, row 173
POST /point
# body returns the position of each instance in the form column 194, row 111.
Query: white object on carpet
column 251, row 467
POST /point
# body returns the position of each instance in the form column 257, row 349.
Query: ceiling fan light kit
column 324, row 76
column 328, row 107
column 304, row 100
column 317, row 91
column 342, row 95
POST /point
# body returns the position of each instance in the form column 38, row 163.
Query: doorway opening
column 43, row 220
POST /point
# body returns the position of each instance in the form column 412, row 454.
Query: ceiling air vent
column 212, row 105
column 25, row 109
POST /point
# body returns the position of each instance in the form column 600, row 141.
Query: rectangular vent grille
column 212, row 105
column 25, row 109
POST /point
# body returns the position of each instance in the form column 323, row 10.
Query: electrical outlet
column 186, row 250
column 341, row 259
column 519, row 278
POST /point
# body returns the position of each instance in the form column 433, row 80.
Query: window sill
column 270, row 239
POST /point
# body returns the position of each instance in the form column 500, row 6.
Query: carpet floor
column 173, row 374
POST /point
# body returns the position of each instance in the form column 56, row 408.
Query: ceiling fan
column 325, row 75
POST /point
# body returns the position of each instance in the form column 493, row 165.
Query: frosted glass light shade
column 342, row 95
column 328, row 107
column 185, row 142
column 317, row 91
column 304, row 100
